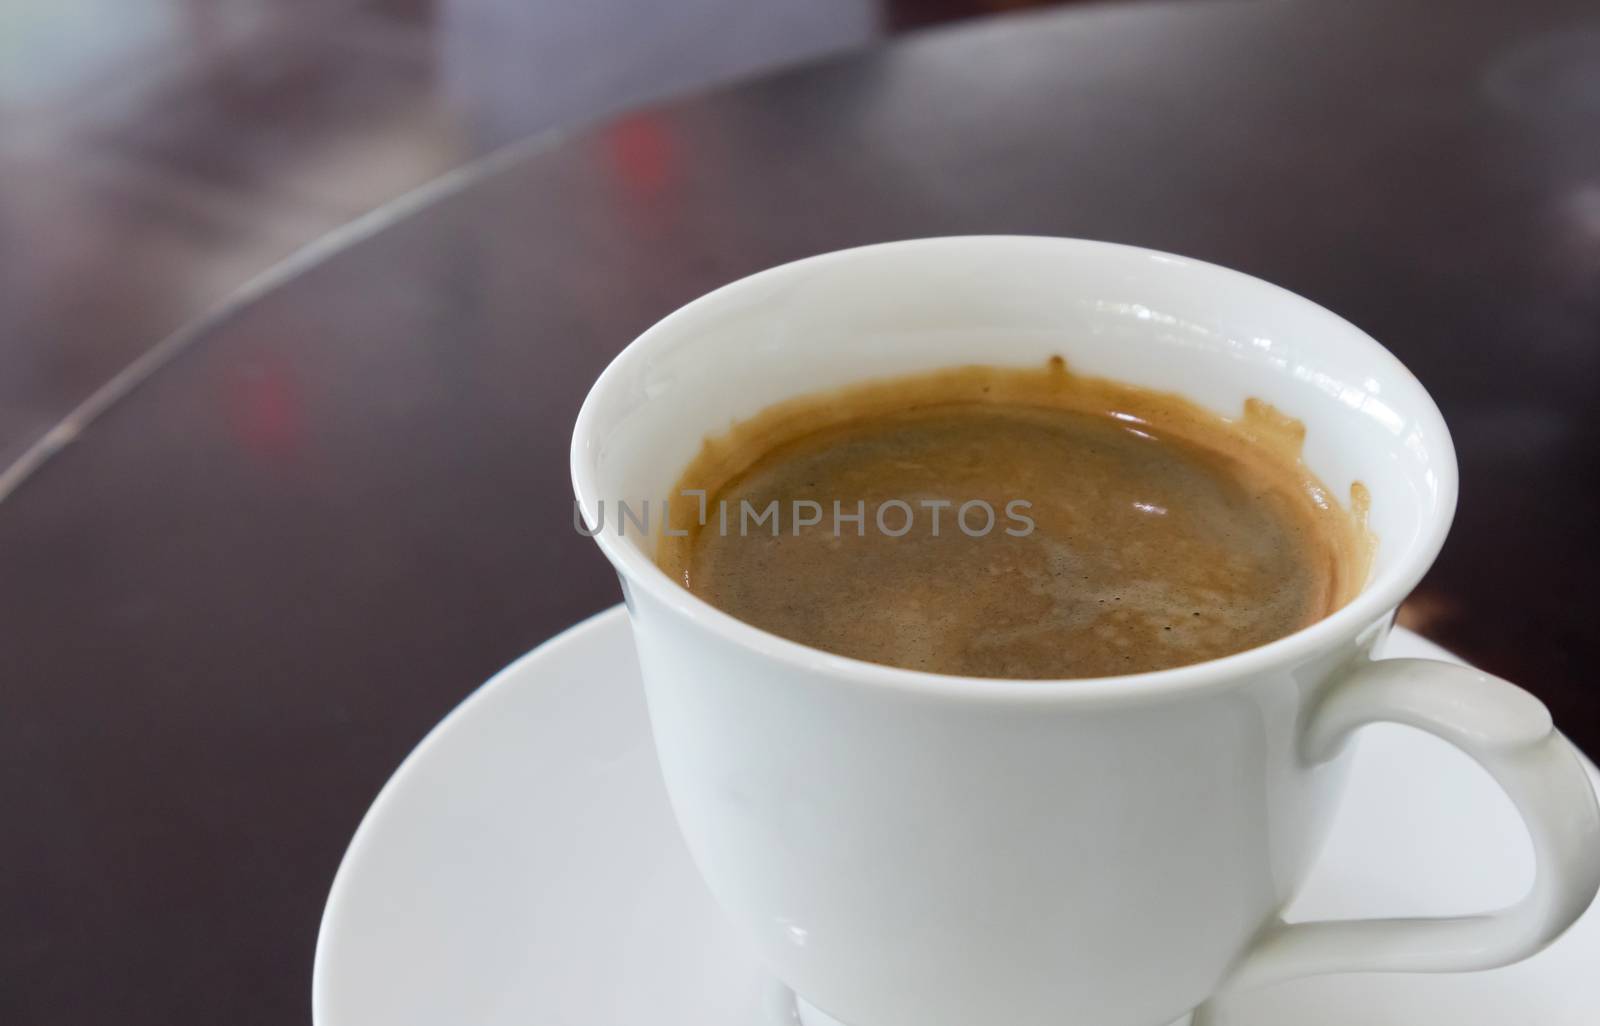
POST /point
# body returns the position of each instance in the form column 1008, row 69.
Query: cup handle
column 1509, row 733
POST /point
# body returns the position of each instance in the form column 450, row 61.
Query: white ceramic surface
column 523, row 867
column 908, row 849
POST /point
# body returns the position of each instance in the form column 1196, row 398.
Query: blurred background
column 156, row 154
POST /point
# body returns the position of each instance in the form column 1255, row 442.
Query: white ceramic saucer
column 522, row 867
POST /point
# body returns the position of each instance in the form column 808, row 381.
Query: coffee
column 1015, row 523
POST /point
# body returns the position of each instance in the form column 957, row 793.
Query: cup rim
column 1375, row 601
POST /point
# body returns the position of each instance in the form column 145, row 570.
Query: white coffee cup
column 912, row 849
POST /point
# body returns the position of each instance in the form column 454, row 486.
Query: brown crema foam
column 1155, row 533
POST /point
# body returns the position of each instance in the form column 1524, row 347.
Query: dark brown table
column 235, row 602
